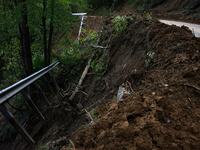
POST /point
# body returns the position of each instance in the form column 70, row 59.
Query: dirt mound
column 163, row 112
column 146, row 120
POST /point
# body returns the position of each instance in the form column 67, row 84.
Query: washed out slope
column 164, row 111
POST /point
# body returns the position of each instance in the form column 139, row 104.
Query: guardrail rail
column 11, row 91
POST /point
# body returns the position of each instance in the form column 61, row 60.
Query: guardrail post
column 46, row 81
column 33, row 106
column 39, row 89
column 54, row 81
column 16, row 124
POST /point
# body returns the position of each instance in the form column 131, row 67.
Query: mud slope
column 164, row 110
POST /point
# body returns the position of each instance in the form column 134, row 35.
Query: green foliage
column 98, row 63
column 149, row 16
column 98, row 67
column 150, row 59
column 92, row 36
column 141, row 8
column 44, row 146
column 92, row 114
column 70, row 145
column 120, row 23
column 185, row 9
column 133, row 3
column 10, row 19
column 38, row 62
column 12, row 69
column 71, row 58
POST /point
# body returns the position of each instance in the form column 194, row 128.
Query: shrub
column 120, row 23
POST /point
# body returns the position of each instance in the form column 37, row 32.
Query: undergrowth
column 71, row 58
column 121, row 23
column 150, row 59
column 92, row 114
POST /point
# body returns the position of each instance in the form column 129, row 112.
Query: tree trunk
column 44, row 33
column 21, row 43
column 50, row 32
column 26, row 39
column 4, row 9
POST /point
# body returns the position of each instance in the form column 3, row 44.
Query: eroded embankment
column 164, row 111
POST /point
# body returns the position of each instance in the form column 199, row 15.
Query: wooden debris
column 82, row 78
column 89, row 114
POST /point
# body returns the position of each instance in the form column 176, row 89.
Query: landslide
column 178, row 10
column 182, row 10
column 164, row 110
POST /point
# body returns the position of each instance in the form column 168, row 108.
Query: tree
column 26, row 39
column 44, row 33
column 28, row 31
column 50, row 33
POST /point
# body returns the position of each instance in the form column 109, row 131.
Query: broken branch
column 72, row 144
column 89, row 114
column 82, row 78
column 99, row 47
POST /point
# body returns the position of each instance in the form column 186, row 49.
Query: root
column 72, row 144
column 197, row 88
column 193, row 112
column 84, row 93
column 95, row 142
column 130, row 86
column 89, row 114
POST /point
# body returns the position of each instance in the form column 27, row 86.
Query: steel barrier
column 11, row 91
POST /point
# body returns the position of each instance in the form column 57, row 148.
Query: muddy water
column 195, row 28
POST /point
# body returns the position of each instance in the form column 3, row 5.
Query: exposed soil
column 178, row 10
column 163, row 112
column 93, row 23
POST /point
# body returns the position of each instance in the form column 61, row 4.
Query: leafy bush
column 98, row 64
column 12, row 67
column 149, row 16
column 38, row 62
column 71, row 58
column 91, row 37
column 120, row 23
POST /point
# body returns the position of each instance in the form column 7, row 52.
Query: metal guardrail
column 11, row 91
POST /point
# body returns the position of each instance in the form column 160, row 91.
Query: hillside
column 163, row 111
column 158, row 64
column 179, row 10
